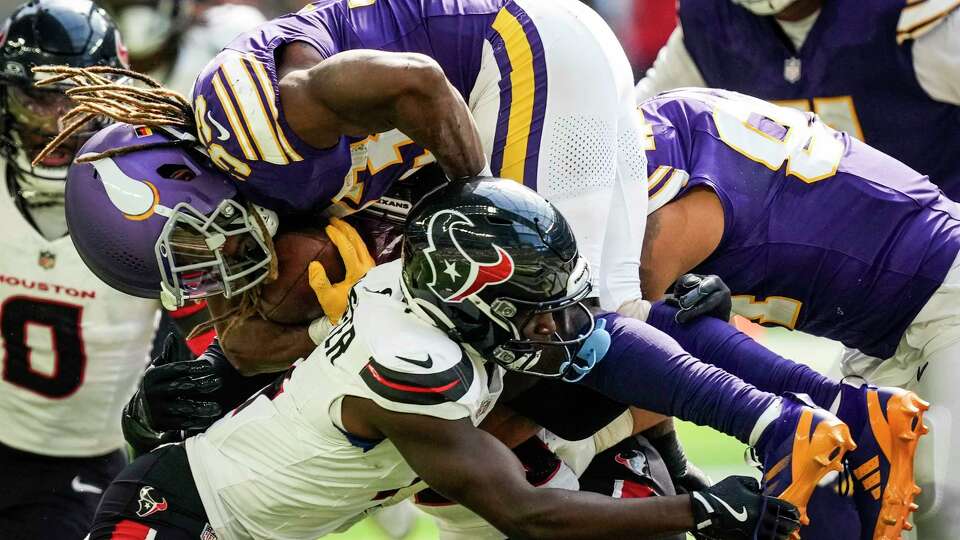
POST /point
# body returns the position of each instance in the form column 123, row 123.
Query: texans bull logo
column 456, row 275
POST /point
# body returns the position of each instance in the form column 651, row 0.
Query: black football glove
column 696, row 295
column 172, row 396
column 734, row 508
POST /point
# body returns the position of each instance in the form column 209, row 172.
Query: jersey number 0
column 62, row 320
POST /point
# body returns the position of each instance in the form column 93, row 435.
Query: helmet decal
column 462, row 276
column 122, row 54
column 136, row 199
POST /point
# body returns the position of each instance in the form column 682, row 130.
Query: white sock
column 766, row 418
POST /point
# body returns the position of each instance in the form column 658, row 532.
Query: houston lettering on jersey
column 42, row 286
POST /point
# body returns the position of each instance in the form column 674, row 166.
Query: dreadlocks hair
column 106, row 91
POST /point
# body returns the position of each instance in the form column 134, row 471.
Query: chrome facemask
column 224, row 253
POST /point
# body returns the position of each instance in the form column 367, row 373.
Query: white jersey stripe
column 235, row 124
column 666, row 191
column 251, row 107
column 267, row 88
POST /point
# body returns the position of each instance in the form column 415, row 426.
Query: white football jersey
column 73, row 348
column 281, row 467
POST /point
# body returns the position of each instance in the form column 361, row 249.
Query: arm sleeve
column 722, row 345
column 648, row 369
column 673, row 68
column 936, row 60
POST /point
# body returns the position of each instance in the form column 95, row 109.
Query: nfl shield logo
column 791, row 70
column 47, row 260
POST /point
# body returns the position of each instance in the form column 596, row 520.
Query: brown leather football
column 289, row 299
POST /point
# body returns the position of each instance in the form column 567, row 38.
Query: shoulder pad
column 921, row 16
column 422, row 370
column 408, row 360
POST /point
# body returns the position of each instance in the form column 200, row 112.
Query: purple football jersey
column 822, row 233
column 850, row 70
column 243, row 125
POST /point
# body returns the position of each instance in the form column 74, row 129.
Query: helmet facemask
column 32, row 118
column 521, row 348
column 227, row 252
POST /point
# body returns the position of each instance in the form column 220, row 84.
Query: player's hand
column 696, row 295
column 172, row 396
column 356, row 260
column 735, row 509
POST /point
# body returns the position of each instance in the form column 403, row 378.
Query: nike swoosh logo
column 739, row 516
column 921, row 370
column 388, row 291
column 222, row 133
column 426, row 364
column 81, row 487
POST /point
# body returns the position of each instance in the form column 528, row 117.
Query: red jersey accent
column 199, row 343
column 131, row 530
column 407, row 388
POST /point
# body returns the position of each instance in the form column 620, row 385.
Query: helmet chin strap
column 590, row 354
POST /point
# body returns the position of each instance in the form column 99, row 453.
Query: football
column 289, row 299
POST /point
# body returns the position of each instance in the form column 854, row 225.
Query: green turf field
column 717, row 454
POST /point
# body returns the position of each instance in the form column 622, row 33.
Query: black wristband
column 670, row 449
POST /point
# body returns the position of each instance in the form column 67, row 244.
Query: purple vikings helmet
column 161, row 222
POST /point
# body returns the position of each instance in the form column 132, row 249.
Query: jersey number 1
column 69, row 358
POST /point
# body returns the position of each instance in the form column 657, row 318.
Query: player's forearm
column 255, row 345
column 427, row 108
column 563, row 514
column 362, row 92
column 258, row 346
column 438, row 119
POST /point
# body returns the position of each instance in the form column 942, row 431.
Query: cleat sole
column 814, row 455
column 898, row 433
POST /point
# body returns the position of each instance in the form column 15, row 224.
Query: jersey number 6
column 772, row 135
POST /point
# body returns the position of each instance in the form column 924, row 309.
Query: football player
column 396, row 391
column 324, row 109
column 73, row 347
column 153, row 179
column 814, row 230
column 857, row 65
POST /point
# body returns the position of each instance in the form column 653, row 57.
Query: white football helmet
column 764, row 7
